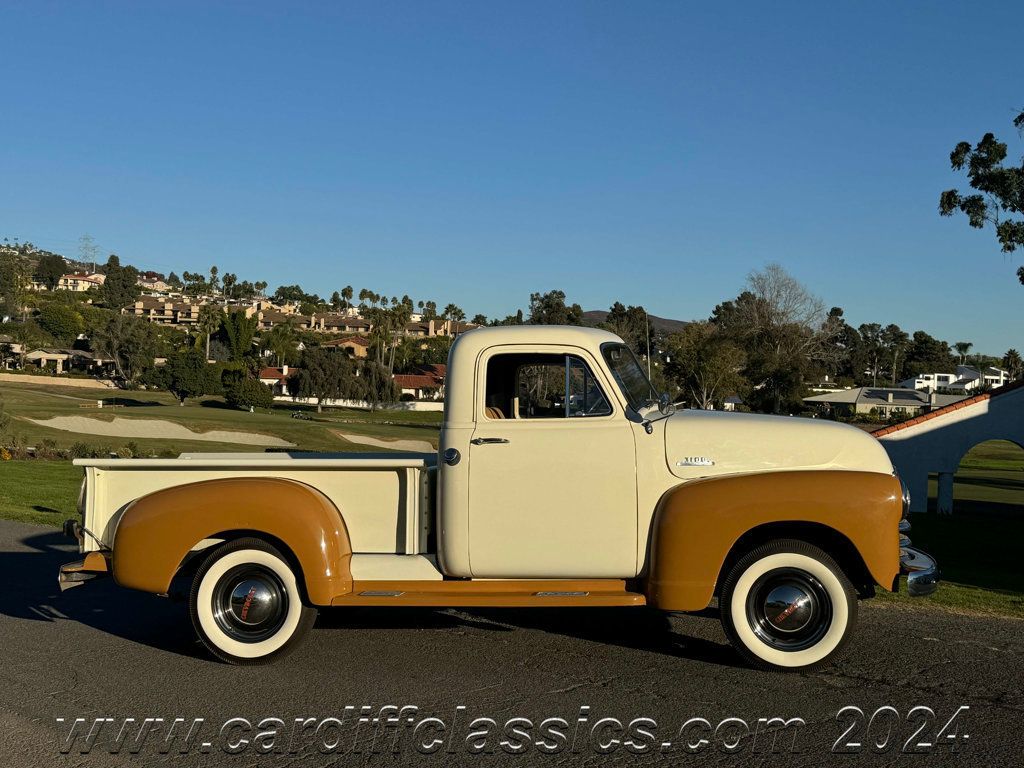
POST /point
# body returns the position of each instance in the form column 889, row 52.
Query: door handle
column 488, row 440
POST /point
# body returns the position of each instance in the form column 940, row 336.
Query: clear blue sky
column 648, row 152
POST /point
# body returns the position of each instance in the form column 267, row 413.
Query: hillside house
column 276, row 379
column 425, row 384
column 883, row 401
column 79, row 282
column 355, row 346
column 966, row 379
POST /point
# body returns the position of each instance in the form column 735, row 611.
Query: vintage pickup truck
column 562, row 480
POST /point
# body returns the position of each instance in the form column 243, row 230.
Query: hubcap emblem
column 788, row 608
column 252, row 602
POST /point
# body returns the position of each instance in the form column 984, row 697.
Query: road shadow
column 631, row 628
column 31, row 592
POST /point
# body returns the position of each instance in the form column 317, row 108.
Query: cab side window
column 542, row 386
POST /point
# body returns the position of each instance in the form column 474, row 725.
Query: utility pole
column 647, row 332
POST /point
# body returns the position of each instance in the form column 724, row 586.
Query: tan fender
column 157, row 531
column 697, row 524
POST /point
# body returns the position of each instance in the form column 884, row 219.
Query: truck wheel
column 246, row 604
column 787, row 605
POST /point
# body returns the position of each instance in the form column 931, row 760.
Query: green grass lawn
column 24, row 402
column 979, row 558
column 39, row 491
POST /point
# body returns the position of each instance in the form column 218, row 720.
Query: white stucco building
column 966, row 379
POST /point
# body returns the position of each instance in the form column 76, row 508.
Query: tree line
column 765, row 345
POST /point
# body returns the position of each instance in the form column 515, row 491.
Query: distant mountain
column 664, row 324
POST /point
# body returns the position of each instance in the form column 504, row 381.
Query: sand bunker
column 154, row 428
column 416, row 446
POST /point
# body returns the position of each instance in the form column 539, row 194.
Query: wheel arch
column 826, row 538
column 157, row 533
column 194, row 557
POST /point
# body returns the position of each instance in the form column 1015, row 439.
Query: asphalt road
column 98, row 651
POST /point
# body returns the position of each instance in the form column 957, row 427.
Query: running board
column 476, row 593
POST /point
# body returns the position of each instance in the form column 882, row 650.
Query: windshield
column 629, row 375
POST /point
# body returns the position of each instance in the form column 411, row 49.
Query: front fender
column 697, row 524
column 157, row 531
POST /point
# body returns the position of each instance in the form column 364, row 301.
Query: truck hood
column 705, row 443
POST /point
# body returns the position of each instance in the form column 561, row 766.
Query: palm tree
column 454, row 314
column 346, row 294
column 398, row 317
column 210, row 319
column 280, row 341
column 962, row 348
column 229, row 281
column 1013, row 363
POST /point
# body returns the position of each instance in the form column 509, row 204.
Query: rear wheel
column 788, row 605
column 246, row 605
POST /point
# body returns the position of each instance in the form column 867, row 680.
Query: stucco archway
column 989, row 481
column 937, row 441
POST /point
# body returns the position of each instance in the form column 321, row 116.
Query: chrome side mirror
column 665, row 405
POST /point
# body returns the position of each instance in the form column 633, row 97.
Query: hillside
column 663, row 324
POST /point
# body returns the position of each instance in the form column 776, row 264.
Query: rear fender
column 157, row 531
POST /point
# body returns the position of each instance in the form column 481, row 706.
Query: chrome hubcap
column 789, row 609
column 250, row 603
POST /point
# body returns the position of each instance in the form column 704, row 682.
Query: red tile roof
column 272, row 373
column 429, row 377
column 362, row 341
column 948, row 409
column 416, row 381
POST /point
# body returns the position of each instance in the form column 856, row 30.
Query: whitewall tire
column 787, row 605
column 246, row 603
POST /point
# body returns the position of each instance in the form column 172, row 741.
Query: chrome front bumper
column 921, row 570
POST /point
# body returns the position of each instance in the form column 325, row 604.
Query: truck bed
column 385, row 498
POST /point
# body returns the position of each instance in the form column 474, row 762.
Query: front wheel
column 787, row 605
column 246, row 605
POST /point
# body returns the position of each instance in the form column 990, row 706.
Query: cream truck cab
column 562, row 480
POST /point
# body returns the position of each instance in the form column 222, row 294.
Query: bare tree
column 783, row 328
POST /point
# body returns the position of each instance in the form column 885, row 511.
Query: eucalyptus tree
column 999, row 190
